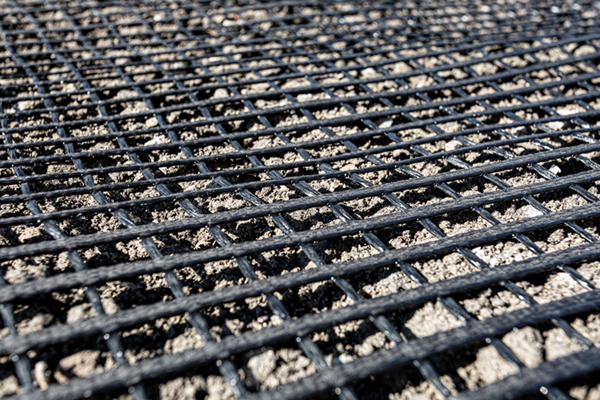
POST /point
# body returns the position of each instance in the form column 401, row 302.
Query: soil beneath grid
column 270, row 367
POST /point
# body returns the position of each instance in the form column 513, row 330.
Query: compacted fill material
column 299, row 199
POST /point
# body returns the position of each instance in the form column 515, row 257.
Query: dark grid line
column 208, row 175
column 223, row 240
column 289, row 90
column 322, row 52
column 365, row 97
column 368, row 33
column 183, row 19
column 253, row 41
column 369, row 133
column 382, row 323
column 226, row 367
column 142, row 314
column 448, row 302
column 124, row 270
column 113, row 342
column 158, row 80
column 257, row 212
column 275, row 110
column 363, row 367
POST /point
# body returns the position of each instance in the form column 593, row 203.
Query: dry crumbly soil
column 271, row 366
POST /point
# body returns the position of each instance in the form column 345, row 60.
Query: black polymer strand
column 332, row 199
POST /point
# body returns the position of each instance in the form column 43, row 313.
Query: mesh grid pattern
column 295, row 199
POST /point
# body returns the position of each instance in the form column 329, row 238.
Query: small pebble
column 71, row 87
column 220, row 93
column 151, row 122
column 386, row 123
column 555, row 169
column 157, row 140
column 29, row 233
column 369, row 72
column 304, row 96
column 39, row 372
column 26, row 105
column 531, row 211
column 345, row 358
column 452, row 145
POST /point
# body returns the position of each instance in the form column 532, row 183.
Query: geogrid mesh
column 295, row 199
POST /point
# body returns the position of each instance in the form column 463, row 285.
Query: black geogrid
column 426, row 29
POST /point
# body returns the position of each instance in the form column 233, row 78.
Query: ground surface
column 298, row 199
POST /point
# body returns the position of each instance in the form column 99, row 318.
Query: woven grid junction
column 295, row 199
